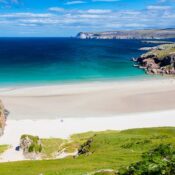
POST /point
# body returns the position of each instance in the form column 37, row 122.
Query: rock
column 31, row 146
column 82, row 35
column 3, row 117
column 159, row 61
column 148, row 48
column 132, row 34
column 154, row 71
column 85, row 148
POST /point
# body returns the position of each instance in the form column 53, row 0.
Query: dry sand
column 89, row 99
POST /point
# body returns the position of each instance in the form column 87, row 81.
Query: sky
column 55, row 18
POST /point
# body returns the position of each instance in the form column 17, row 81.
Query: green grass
column 166, row 49
column 35, row 146
column 3, row 148
column 54, row 145
column 111, row 150
column 51, row 146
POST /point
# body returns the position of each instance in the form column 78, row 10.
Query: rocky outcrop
column 31, row 146
column 85, row 148
column 132, row 34
column 159, row 61
column 3, row 116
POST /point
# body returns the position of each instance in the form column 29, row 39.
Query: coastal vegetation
column 110, row 152
column 51, row 147
column 3, row 148
column 158, row 161
column 30, row 145
column 159, row 60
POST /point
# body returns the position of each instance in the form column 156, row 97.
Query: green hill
column 107, row 150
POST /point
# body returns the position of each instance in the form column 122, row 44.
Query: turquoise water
column 57, row 60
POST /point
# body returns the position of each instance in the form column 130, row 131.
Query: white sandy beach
column 100, row 99
column 62, row 110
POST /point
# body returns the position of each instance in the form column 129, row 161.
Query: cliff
column 132, row 34
column 159, row 60
column 3, row 116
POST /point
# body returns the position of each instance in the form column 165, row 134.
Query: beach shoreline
column 97, row 99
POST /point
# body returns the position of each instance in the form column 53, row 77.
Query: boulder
column 31, row 146
column 3, row 116
column 85, row 148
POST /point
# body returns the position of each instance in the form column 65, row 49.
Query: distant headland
column 129, row 34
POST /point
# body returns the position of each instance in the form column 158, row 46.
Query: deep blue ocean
column 57, row 60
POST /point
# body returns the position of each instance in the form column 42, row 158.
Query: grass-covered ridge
column 110, row 150
column 162, row 51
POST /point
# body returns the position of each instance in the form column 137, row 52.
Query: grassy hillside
column 162, row 51
column 109, row 150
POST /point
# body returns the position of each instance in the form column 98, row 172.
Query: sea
column 28, row 61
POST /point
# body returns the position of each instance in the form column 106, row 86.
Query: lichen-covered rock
column 159, row 61
column 3, row 116
column 31, row 146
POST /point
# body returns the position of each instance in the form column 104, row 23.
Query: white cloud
column 26, row 15
column 74, row 2
column 9, row 1
column 56, row 9
column 158, row 7
column 98, row 11
column 98, row 19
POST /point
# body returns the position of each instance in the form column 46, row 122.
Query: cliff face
column 133, row 34
column 3, row 116
column 160, row 60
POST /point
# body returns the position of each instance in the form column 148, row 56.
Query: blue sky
column 68, row 17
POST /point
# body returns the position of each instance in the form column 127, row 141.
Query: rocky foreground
column 3, row 116
column 158, row 60
column 130, row 34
